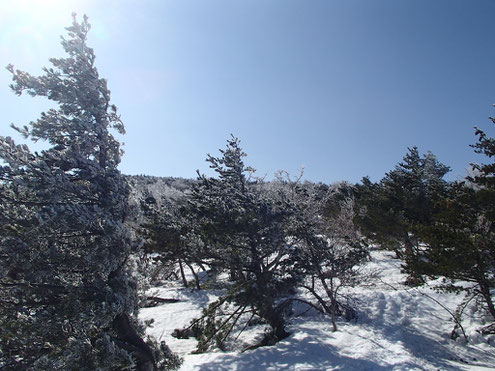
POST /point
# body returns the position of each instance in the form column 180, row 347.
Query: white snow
column 398, row 328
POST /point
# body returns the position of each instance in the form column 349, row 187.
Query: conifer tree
column 67, row 299
column 404, row 199
column 486, row 146
column 243, row 233
column 461, row 237
column 460, row 244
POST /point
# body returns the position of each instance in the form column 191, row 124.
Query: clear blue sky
column 341, row 87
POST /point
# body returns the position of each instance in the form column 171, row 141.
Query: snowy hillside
column 399, row 328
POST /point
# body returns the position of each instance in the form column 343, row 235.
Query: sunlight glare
column 26, row 25
column 37, row 11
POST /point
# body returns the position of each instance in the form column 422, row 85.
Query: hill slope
column 399, row 328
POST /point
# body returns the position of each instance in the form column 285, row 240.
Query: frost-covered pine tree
column 67, row 299
column 243, row 233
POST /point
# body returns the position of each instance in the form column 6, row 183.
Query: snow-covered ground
column 398, row 328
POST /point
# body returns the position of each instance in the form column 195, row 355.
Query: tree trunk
column 129, row 339
column 320, row 300
column 195, row 275
column 485, row 291
column 413, row 278
column 332, row 318
column 156, row 272
column 277, row 323
column 183, row 275
column 266, row 305
column 329, row 291
column 331, row 295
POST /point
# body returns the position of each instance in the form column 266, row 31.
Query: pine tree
column 461, row 237
column 485, row 179
column 486, row 146
column 243, row 233
column 401, row 201
column 67, row 299
column 460, row 244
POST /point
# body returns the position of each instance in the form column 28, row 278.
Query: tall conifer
column 67, row 299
